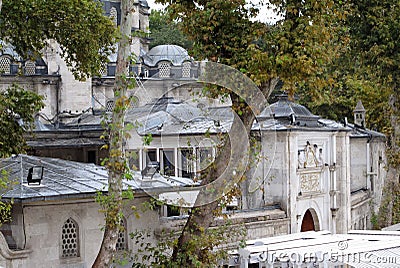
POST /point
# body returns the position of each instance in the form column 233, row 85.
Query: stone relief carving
column 310, row 156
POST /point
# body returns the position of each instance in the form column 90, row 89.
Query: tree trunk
column 201, row 217
column 116, row 163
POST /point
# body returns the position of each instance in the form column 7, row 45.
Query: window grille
column 186, row 69
column 30, row 68
column 109, row 105
column 113, row 15
column 122, row 241
column 103, row 69
column 164, row 69
column 5, row 64
column 70, row 239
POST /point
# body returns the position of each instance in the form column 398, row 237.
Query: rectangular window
column 173, row 211
column 204, row 158
column 151, row 155
column 186, row 168
column 133, row 156
column 168, row 162
column 91, row 157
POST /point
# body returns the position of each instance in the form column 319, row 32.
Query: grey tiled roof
column 168, row 116
column 65, row 143
column 67, row 179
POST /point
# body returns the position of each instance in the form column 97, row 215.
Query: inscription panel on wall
column 310, row 182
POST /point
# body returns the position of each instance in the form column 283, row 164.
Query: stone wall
column 38, row 226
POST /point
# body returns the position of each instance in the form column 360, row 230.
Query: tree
column 297, row 50
column 368, row 70
column 375, row 46
column 17, row 108
column 116, row 164
column 163, row 31
column 85, row 35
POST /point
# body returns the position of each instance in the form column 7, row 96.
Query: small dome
column 172, row 53
column 8, row 49
column 286, row 110
column 144, row 3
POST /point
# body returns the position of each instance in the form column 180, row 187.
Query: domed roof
column 172, row 53
column 286, row 110
column 8, row 49
column 144, row 3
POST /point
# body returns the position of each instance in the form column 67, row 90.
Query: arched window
column 114, row 15
column 70, row 239
column 122, row 237
column 103, row 69
column 186, row 69
column 164, row 69
column 5, row 65
column 109, row 105
column 30, row 68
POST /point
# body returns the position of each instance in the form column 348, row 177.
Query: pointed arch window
column 186, row 69
column 114, row 15
column 5, row 65
column 30, row 68
column 103, row 69
column 164, row 69
column 70, row 239
column 109, row 105
column 122, row 236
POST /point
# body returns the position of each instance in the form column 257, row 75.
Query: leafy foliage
column 85, row 35
column 117, row 163
column 5, row 206
column 158, row 254
column 377, row 43
column 163, row 31
column 297, row 50
column 17, row 107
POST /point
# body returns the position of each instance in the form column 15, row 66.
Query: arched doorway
column 310, row 221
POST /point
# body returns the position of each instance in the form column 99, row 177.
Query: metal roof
column 65, row 143
column 172, row 53
column 167, row 116
column 64, row 179
column 358, row 249
column 290, row 112
column 361, row 132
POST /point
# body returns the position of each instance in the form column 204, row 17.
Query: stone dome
column 172, row 53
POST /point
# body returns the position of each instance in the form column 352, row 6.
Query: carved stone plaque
column 310, row 182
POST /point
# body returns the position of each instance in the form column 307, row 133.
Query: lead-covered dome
column 172, row 53
column 144, row 3
column 289, row 112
